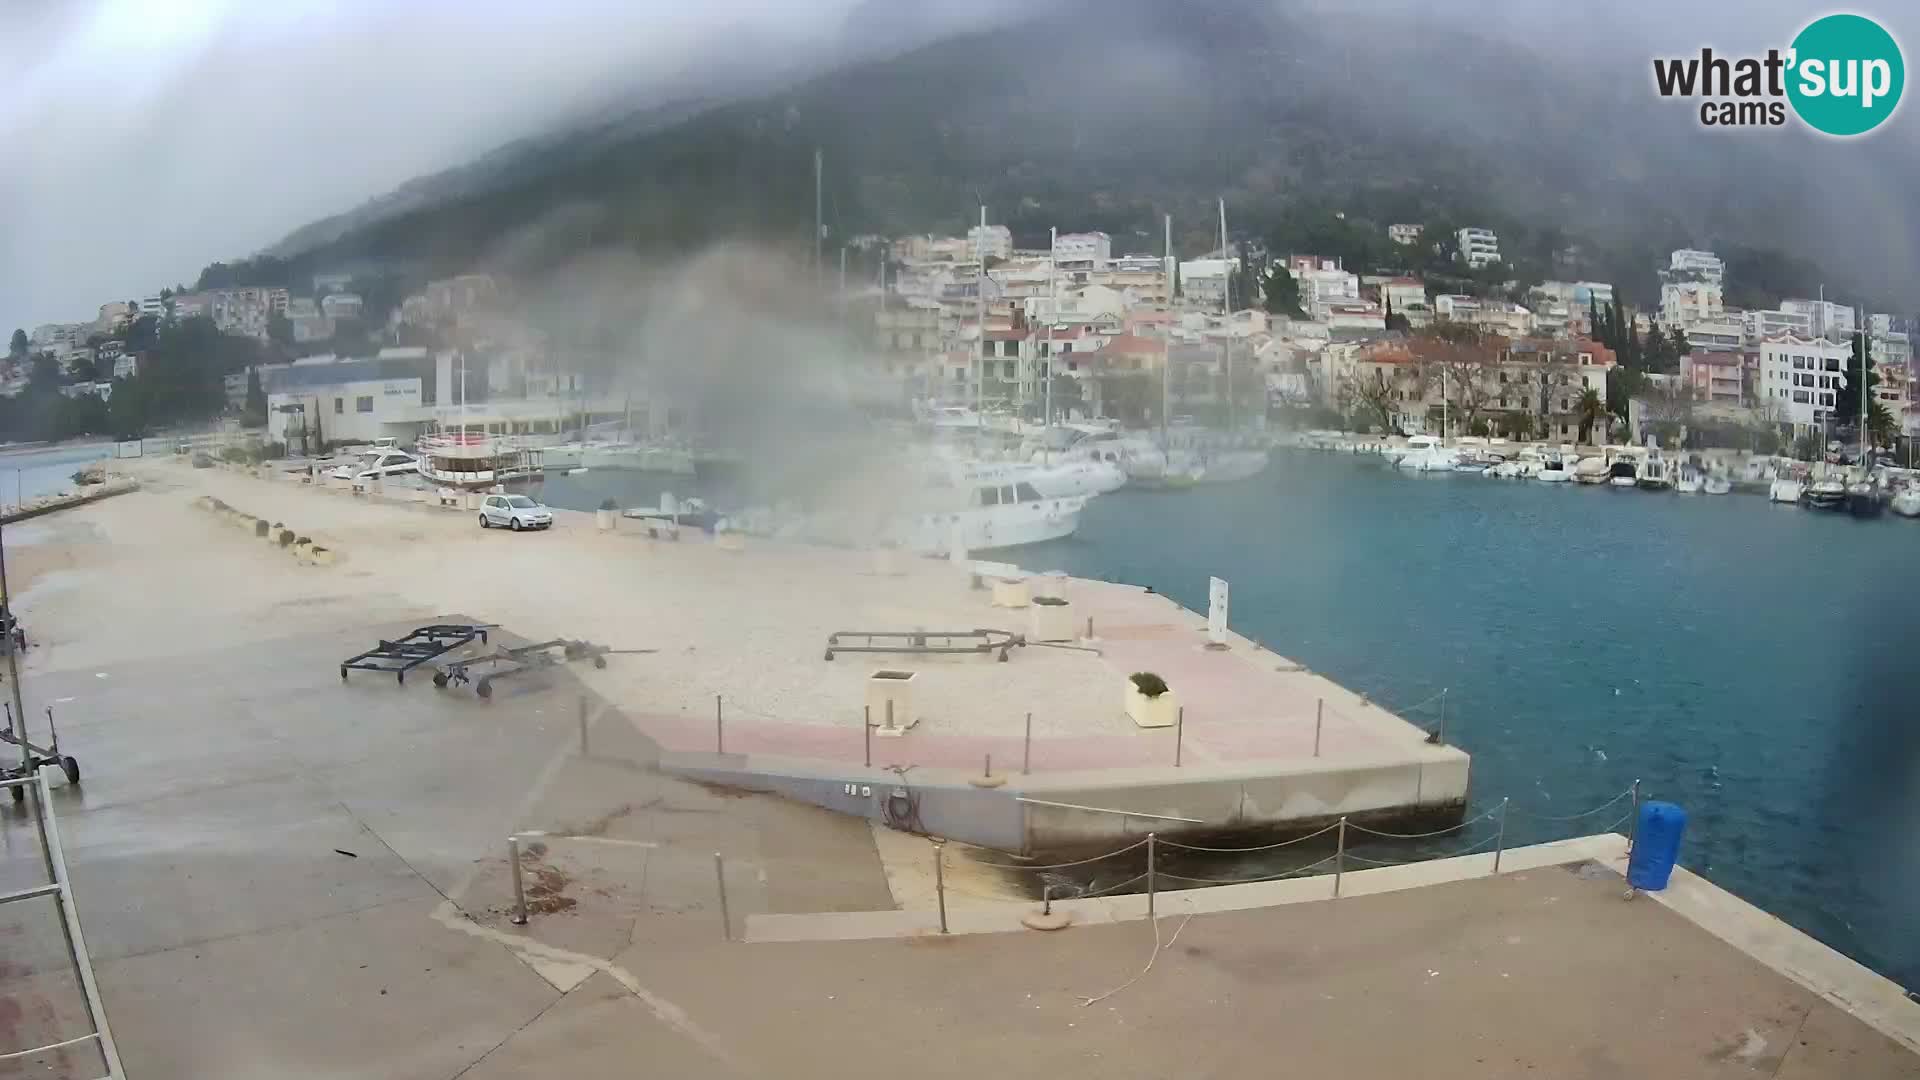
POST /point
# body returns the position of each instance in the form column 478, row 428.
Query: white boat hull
column 1784, row 491
column 1552, row 476
column 1906, row 503
column 1623, row 482
column 980, row 528
column 1717, row 485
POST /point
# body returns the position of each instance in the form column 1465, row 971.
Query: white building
column 342, row 305
column 1087, row 251
column 1479, row 247
column 1204, row 281
column 1696, row 265
column 1683, row 303
column 1577, row 294
column 1726, row 335
column 1408, row 297
column 1763, row 324
column 990, row 242
column 1323, row 289
column 1405, row 235
column 153, row 305
column 1800, row 378
column 1824, row 317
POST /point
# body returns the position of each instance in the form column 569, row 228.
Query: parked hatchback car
column 514, row 512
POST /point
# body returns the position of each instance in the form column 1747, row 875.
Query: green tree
column 279, row 329
column 1881, row 426
column 1592, row 411
column 44, row 376
column 17, row 348
column 1282, row 293
column 1846, row 400
column 255, row 412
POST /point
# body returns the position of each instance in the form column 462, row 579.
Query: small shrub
column 286, row 537
column 1049, row 601
column 609, row 504
column 1149, row 684
column 237, row 455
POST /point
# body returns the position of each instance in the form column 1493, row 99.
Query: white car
column 515, row 512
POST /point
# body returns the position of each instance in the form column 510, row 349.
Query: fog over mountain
column 667, row 129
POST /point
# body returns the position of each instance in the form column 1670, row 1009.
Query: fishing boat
column 1690, row 480
column 1863, row 499
column 474, row 459
column 986, row 517
column 1656, row 474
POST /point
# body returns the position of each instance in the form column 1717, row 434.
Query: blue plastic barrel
column 1656, row 846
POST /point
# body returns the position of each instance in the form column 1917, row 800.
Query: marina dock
column 278, row 869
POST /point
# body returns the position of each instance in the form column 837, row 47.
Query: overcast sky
column 146, row 138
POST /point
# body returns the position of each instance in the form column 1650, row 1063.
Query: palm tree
column 1881, row 426
column 1591, row 410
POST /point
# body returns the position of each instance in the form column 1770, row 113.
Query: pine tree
column 1846, row 400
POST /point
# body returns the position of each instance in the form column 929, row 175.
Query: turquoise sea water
column 1751, row 662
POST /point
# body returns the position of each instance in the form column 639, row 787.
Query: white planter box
column 1052, row 583
column 893, row 688
column 1048, row 621
column 1011, row 592
column 605, row 520
column 1151, row 712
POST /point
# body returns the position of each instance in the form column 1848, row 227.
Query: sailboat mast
column 980, row 314
column 1226, row 308
column 1166, row 343
column 1053, row 316
column 819, row 226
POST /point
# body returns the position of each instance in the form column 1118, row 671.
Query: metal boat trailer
column 425, row 643
column 924, row 642
column 505, row 663
column 36, row 757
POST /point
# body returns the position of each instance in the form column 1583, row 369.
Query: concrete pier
column 281, row 872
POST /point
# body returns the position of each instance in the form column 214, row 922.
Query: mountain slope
column 1107, row 115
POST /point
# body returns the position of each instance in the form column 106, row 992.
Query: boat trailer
column 505, row 663
column 37, row 757
column 924, row 642
column 425, row 643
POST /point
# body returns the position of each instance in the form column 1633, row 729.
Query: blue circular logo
column 1846, row 75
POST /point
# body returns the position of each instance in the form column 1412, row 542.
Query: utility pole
column 1053, row 316
column 819, row 226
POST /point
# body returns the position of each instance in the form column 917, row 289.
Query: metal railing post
column 1026, row 749
column 940, row 880
column 1500, row 838
column 1152, row 851
column 720, row 882
column 1340, row 857
column 1439, row 735
column 1319, row 716
column 987, row 769
column 583, row 726
column 719, row 728
column 1633, row 818
column 1179, row 733
column 519, row 890
column 866, row 725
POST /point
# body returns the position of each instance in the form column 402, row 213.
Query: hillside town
column 1233, row 337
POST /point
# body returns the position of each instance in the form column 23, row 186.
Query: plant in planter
column 286, row 537
column 1050, row 619
column 1150, row 701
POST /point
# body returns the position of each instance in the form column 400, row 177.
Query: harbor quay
column 282, row 871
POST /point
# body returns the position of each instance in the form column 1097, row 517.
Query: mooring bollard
column 583, row 725
column 719, row 728
column 1179, row 733
column 519, row 890
column 1089, row 628
column 987, row 769
column 1633, row 817
column 1340, row 857
column 1319, row 714
column 940, row 881
column 1152, row 849
column 1026, row 749
column 720, row 880
column 866, row 724
column 1500, row 838
column 1046, row 899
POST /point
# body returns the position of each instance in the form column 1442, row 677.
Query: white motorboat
column 1716, row 483
column 1690, row 481
column 1591, row 470
column 1784, row 489
column 992, row 516
column 377, row 463
column 1623, row 472
column 1906, row 502
column 1553, row 469
column 1425, row 454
